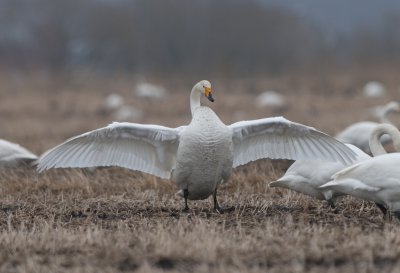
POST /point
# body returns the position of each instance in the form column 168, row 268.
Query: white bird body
column 201, row 155
column 358, row 133
column 201, row 168
column 376, row 179
column 306, row 176
column 12, row 154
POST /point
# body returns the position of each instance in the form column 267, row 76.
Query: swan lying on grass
column 199, row 157
column 376, row 179
column 12, row 154
column 306, row 176
column 358, row 133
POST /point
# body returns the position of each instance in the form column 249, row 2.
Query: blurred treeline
column 227, row 37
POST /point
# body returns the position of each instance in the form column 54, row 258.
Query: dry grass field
column 116, row 220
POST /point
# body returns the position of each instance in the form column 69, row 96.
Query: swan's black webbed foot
column 220, row 209
column 186, row 210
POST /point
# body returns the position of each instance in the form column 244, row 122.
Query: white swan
column 358, row 133
column 376, row 179
column 113, row 101
column 12, row 154
column 306, row 176
column 150, row 91
column 272, row 99
column 200, row 155
column 127, row 113
column 374, row 89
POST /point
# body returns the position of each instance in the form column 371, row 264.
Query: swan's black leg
column 186, row 195
column 382, row 208
column 217, row 207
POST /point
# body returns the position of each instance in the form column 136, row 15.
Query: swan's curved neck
column 375, row 142
column 385, row 115
column 194, row 99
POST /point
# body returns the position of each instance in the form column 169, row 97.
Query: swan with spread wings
column 199, row 157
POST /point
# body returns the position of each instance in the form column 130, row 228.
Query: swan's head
column 393, row 106
column 204, row 87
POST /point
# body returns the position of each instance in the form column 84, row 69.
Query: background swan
column 127, row 113
column 200, row 156
column 271, row 99
column 150, row 91
column 306, row 176
column 12, row 154
column 113, row 101
column 374, row 89
column 376, row 179
column 358, row 133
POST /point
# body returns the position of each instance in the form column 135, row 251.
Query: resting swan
column 199, row 157
column 12, row 154
column 376, row 179
column 306, row 176
column 358, row 133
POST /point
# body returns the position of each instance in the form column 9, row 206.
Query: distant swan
column 358, row 133
column 306, row 176
column 376, row 179
column 199, row 157
column 12, row 154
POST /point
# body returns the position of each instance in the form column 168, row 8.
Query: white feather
column 306, row 176
column 280, row 138
column 147, row 148
column 11, row 154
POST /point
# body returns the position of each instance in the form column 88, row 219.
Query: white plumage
column 376, row 179
column 374, row 89
column 382, row 112
column 201, row 155
column 306, row 176
column 151, row 91
column 12, row 154
column 127, row 113
column 271, row 99
column 113, row 101
column 358, row 133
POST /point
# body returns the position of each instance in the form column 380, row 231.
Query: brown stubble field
column 116, row 220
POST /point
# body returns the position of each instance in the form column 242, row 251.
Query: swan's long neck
column 385, row 115
column 375, row 142
column 194, row 99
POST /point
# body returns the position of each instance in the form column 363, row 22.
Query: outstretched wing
column 147, row 148
column 280, row 138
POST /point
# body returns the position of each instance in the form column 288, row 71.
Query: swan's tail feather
column 277, row 183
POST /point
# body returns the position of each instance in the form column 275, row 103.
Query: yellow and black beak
column 208, row 94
